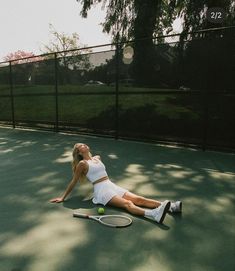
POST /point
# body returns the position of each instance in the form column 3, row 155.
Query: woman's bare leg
column 157, row 214
column 141, row 201
column 128, row 205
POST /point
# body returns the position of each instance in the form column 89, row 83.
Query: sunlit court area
column 37, row 235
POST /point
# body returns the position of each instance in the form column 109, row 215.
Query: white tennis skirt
column 105, row 191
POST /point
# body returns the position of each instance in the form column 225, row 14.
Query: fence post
column 205, row 119
column 56, row 93
column 12, row 96
column 117, row 92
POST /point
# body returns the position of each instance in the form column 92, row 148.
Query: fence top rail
column 119, row 43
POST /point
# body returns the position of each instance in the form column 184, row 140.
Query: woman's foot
column 176, row 207
column 159, row 213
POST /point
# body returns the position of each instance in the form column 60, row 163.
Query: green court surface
column 36, row 235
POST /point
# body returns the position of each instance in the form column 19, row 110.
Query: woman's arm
column 78, row 172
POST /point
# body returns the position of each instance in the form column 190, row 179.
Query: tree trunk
column 144, row 57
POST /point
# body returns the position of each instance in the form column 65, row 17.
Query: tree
column 25, row 64
column 137, row 19
column 68, row 49
column 130, row 19
column 71, row 57
column 20, row 57
column 61, row 42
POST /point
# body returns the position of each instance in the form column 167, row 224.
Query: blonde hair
column 77, row 157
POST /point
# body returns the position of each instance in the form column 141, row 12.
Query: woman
column 85, row 165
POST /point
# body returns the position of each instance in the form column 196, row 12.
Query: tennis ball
column 100, row 211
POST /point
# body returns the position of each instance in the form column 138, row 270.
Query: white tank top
column 96, row 170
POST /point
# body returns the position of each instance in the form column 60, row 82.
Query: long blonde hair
column 77, row 157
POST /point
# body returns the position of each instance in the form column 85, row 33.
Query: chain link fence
column 177, row 88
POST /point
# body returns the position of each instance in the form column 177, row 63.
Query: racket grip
column 80, row 215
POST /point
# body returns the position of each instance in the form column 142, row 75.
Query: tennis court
column 36, row 235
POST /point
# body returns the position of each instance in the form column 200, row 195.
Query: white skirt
column 105, row 191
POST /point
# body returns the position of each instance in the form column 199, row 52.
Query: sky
column 24, row 24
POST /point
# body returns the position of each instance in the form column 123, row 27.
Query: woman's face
column 82, row 148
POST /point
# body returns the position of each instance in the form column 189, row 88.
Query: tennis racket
column 115, row 221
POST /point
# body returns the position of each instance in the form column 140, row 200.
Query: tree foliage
column 128, row 19
column 60, row 42
column 143, row 20
column 69, row 50
column 20, row 57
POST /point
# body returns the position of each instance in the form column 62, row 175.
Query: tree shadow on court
column 37, row 235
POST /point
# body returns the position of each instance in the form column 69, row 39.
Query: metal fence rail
column 178, row 90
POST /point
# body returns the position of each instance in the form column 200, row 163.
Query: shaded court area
column 36, row 235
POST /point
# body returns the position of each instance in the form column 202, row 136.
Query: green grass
column 82, row 108
column 146, row 115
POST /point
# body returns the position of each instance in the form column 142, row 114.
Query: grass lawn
column 84, row 107
column 141, row 114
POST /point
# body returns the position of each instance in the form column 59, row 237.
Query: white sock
column 148, row 212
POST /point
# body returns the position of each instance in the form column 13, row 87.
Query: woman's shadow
column 78, row 202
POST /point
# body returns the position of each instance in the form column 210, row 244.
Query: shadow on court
column 36, row 235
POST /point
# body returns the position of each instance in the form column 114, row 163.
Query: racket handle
column 80, row 215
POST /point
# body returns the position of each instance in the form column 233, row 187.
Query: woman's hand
column 57, row 200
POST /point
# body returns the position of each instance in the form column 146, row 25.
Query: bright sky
column 24, row 24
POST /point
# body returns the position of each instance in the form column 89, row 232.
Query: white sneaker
column 176, row 207
column 159, row 213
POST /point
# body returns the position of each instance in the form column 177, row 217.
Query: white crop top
column 96, row 170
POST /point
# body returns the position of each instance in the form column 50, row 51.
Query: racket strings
column 118, row 221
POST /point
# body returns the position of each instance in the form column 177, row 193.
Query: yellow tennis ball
column 100, row 211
